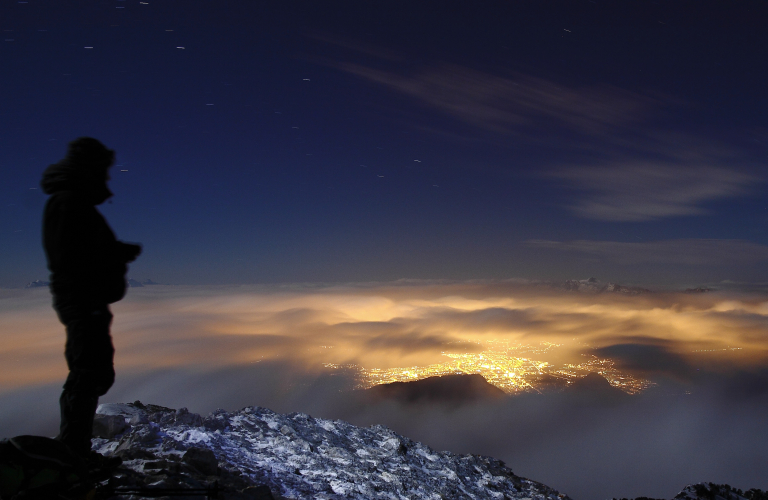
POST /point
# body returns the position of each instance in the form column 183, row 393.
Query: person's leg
column 89, row 355
column 77, row 412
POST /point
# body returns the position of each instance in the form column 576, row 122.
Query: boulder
column 201, row 459
column 109, row 426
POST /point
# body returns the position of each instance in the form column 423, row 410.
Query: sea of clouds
column 229, row 347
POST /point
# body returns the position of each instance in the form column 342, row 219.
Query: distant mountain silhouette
column 454, row 389
column 593, row 285
column 547, row 383
column 37, row 284
column 593, row 388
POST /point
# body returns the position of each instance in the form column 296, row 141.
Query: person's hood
column 65, row 176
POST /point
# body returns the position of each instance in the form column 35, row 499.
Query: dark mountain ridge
column 452, row 389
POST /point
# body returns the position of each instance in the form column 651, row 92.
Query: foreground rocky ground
column 258, row 454
column 711, row 491
column 255, row 453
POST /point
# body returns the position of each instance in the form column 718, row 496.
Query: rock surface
column 256, row 453
column 712, row 491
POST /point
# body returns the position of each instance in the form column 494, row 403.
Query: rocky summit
column 256, row 453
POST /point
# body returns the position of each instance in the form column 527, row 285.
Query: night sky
column 272, row 142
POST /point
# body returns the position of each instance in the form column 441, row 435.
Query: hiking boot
column 100, row 463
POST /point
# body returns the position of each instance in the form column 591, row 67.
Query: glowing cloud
column 378, row 327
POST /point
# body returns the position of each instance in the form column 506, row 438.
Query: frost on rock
column 712, row 491
column 301, row 457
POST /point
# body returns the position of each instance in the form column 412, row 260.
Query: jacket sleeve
column 85, row 258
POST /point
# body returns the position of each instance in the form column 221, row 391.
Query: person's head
column 91, row 156
column 85, row 169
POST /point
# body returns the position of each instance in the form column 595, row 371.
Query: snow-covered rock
column 712, row 491
column 257, row 454
column 299, row 457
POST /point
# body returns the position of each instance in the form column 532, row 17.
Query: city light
column 512, row 368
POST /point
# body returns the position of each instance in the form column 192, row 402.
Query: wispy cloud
column 694, row 252
column 512, row 104
column 640, row 191
column 630, row 168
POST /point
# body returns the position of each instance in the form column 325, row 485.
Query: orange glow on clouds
column 375, row 326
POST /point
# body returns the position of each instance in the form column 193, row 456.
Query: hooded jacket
column 87, row 263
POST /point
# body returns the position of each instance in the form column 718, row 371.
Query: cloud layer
column 380, row 326
column 209, row 347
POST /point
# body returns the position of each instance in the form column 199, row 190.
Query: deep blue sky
column 358, row 141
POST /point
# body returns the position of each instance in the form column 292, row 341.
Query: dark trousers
column 89, row 353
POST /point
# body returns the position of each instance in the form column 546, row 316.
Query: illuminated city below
column 512, row 369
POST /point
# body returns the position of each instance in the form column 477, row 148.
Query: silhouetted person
column 88, row 266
